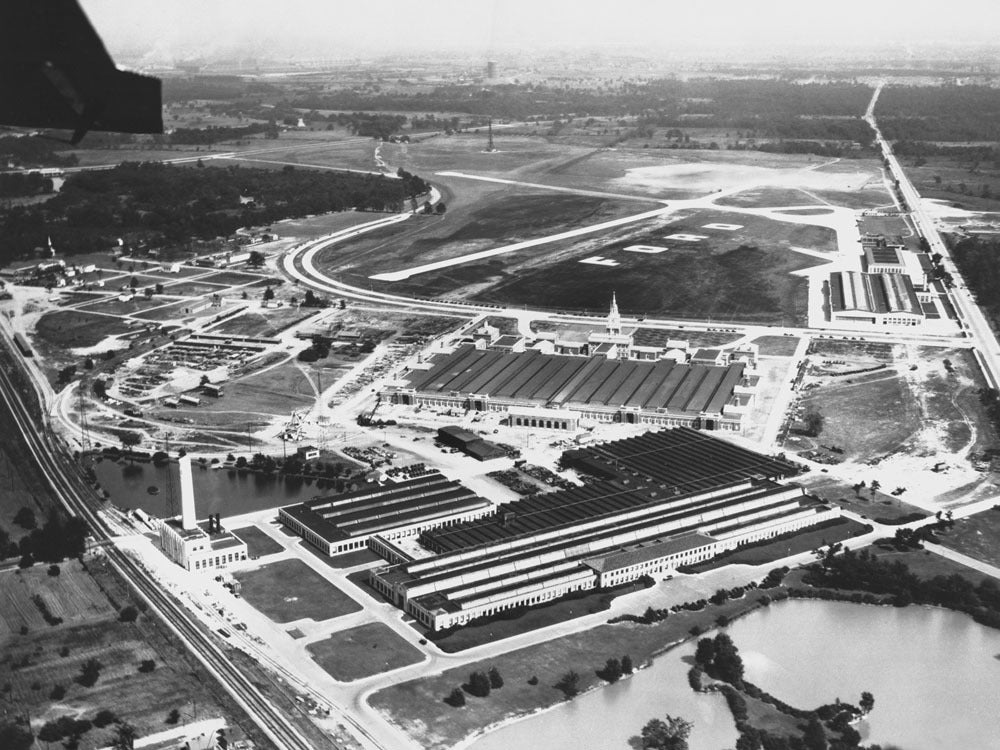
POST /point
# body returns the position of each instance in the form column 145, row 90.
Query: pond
column 935, row 675
column 225, row 491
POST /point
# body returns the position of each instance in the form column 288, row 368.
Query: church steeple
column 614, row 319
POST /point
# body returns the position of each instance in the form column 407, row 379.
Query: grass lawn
column 346, row 560
column 290, row 590
column 777, row 346
column 66, row 328
column 258, row 543
column 775, row 549
column 884, row 508
column 515, row 622
column 275, row 391
column 977, row 536
column 362, row 652
column 418, row 705
column 927, row 564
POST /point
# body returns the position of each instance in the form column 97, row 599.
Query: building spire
column 614, row 319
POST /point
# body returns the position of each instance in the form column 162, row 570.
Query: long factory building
column 664, row 393
column 679, row 498
column 397, row 509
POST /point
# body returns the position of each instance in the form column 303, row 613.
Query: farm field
column 74, row 328
column 290, row 590
column 39, row 657
column 362, row 652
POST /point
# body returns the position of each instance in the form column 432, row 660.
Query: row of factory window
column 218, row 561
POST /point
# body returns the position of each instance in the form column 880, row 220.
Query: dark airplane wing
column 55, row 73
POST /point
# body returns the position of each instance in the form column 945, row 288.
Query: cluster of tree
column 480, row 685
column 216, row 134
column 32, row 151
column 15, row 735
column 864, row 571
column 614, row 669
column 13, row 184
column 976, row 257
column 368, row 124
column 90, row 672
column 668, row 733
column 59, row 538
column 159, row 202
column 412, row 184
column 718, row 101
column 719, row 658
column 974, row 156
column 939, row 113
column 200, row 87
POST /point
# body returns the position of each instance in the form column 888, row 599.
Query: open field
column 917, row 404
column 766, row 197
column 501, row 217
column 728, row 275
column 72, row 595
column 866, row 419
column 66, row 328
column 362, row 652
column 977, row 536
column 232, row 278
column 274, row 391
column 290, row 590
column 111, row 305
column 263, row 323
column 258, row 543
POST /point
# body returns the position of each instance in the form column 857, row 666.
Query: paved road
column 970, row 315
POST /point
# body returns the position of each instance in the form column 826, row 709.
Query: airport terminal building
column 660, row 501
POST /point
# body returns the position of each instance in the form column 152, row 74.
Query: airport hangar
column 664, row 392
column 662, row 500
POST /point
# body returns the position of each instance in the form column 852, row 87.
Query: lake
column 223, row 491
column 935, row 675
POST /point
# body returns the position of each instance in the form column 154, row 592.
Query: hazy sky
column 183, row 28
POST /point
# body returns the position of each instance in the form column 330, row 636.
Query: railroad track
column 68, row 488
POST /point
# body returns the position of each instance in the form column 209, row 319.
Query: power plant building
column 198, row 545
column 666, row 499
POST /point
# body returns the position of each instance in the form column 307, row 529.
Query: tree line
column 939, row 113
column 163, row 203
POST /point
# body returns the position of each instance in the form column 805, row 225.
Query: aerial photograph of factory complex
column 499, row 375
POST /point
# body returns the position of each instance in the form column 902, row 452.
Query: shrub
column 496, row 681
column 478, row 685
column 173, row 717
column 456, row 698
column 58, row 693
column 54, row 570
column 147, row 665
column 90, row 672
column 568, row 684
column 627, row 667
column 104, row 717
column 533, row 680
column 128, row 613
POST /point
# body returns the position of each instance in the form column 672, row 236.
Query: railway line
column 69, row 489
